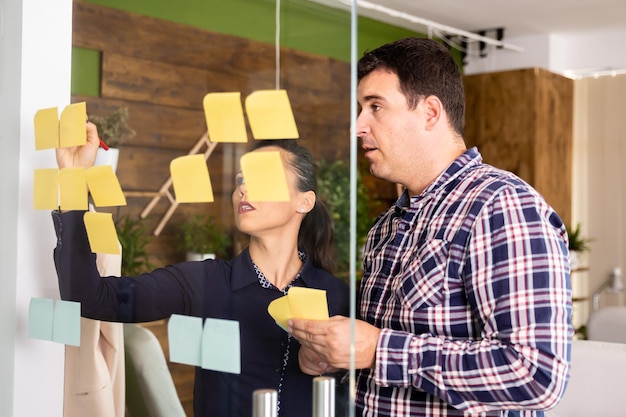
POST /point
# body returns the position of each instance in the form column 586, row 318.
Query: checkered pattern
column 470, row 282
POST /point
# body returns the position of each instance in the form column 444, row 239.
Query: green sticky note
column 40, row 318
column 184, row 335
column 66, row 328
column 221, row 349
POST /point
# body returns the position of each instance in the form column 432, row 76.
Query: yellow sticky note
column 191, row 181
column 72, row 130
column 300, row 302
column 101, row 233
column 104, row 186
column 73, row 189
column 270, row 115
column 308, row 303
column 280, row 311
column 265, row 176
column 47, row 128
column 224, row 117
column 46, row 189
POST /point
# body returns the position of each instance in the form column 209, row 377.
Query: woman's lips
column 245, row 207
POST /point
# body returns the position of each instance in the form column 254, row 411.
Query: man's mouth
column 367, row 150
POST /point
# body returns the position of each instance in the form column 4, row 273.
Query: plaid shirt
column 470, row 282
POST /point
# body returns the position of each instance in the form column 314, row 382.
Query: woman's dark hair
column 424, row 68
column 317, row 230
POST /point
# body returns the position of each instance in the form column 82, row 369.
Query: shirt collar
column 465, row 162
column 243, row 272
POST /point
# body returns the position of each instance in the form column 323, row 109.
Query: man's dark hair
column 425, row 68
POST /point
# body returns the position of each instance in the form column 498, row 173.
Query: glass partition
column 157, row 61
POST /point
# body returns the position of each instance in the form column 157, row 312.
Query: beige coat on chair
column 94, row 372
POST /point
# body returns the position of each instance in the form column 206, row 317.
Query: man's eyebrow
column 372, row 97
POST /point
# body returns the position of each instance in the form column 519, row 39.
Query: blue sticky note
column 184, row 334
column 40, row 318
column 221, row 349
column 66, row 328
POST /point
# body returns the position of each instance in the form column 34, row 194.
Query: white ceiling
column 519, row 18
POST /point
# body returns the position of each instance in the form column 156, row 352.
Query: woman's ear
column 307, row 202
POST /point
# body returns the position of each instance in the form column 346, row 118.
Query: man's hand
column 80, row 156
column 326, row 344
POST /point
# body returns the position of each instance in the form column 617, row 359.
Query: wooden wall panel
column 554, row 145
column 156, row 126
column 522, row 121
column 165, row 84
column 500, row 126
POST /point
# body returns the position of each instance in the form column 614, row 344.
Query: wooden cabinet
column 522, row 121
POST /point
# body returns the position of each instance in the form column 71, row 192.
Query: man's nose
column 362, row 127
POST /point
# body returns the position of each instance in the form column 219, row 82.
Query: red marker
column 102, row 144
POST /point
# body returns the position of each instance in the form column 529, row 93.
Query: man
column 465, row 296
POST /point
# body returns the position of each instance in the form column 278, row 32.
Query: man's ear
column 433, row 111
column 307, row 202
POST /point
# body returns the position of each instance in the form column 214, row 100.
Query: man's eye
column 375, row 107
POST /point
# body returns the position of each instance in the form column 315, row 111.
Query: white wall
column 582, row 53
column 599, row 199
column 9, row 116
column 35, row 49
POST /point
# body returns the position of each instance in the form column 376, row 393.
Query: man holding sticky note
column 290, row 247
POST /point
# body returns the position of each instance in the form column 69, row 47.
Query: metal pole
column 264, row 403
column 323, row 396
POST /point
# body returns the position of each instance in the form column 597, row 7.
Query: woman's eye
column 239, row 180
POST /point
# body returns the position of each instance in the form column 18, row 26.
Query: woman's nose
column 242, row 189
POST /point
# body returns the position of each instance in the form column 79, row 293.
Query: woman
column 290, row 245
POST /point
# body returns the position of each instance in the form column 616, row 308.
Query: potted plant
column 134, row 238
column 577, row 245
column 114, row 130
column 203, row 238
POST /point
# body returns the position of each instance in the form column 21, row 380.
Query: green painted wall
column 86, row 72
column 305, row 26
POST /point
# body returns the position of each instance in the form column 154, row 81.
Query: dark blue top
column 211, row 288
